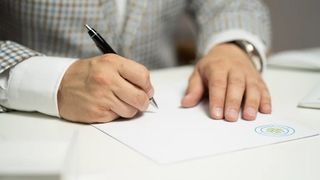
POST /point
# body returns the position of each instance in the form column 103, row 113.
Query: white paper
column 173, row 134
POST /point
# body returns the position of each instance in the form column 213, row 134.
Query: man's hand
column 102, row 88
column 231, row 81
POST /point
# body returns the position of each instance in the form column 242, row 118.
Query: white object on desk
column 174, row 134
column 35, row 159
column 23, row 160
column 312, row 99
column 301, row 59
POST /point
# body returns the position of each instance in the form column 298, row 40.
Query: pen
column 106, row 48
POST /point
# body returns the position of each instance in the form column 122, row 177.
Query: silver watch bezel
column 252, row 52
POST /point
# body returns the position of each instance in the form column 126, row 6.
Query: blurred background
column 295, row 24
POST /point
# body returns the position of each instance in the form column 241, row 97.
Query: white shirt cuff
column 33, row 84
column 238, row 34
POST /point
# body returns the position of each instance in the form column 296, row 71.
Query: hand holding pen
column 105, row 48
column 103, row 88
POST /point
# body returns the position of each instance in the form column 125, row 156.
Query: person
column 50, row 65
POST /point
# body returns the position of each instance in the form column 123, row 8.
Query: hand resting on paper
column 231, row 80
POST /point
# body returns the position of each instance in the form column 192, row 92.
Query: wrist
column 228, row 49
column 238, row 35
column 252, row 53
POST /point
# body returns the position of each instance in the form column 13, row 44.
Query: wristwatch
column 252, row 52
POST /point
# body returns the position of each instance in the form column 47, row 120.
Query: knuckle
column 219, row 62
column 208, row 70
column 130, row 112
column 107, row 117
column 93, row 113
column 265, row 90
column 265, row 98
column 95, row 93
column 236, row 81
column 253, row 85
column 99, row 114
column 256, row 83
column 140, row 99
column 217, row 104
column 101, row 79
column 145, row 84
column 108, row 57
column 218, row 82
column 253, row 81
column 234, row 102
column 145, row 75
column 217, row 99
column 252, row 102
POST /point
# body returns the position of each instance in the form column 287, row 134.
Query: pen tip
column 153, row 102
column 87, row 26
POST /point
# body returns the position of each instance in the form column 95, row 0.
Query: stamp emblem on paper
column 275, row 130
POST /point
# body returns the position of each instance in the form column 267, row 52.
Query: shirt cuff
column 238, row 34
column 33, row 84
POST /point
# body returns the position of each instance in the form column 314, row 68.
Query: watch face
column 252, row 53
column 249, row 47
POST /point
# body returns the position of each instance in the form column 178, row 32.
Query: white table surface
column 95, row 155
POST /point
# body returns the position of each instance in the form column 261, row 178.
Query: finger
column 131, row 95
column 234, row 96
column 96, row 113
column 252, row 100
column 106, row 116
column 121, row 108
column 194, row 91
column 217, row 85
column 136, row 74
column 265, row 104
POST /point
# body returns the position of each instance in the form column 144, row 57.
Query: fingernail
column 146, row 106
column 184, row 101
column 251, row 112
column 186, row 96
column 217, row 113
column 232, row 114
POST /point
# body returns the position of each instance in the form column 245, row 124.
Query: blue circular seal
column 275, row 130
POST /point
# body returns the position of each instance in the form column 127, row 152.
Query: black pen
column 105, row 48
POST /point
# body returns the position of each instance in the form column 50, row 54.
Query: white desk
column 97, row 156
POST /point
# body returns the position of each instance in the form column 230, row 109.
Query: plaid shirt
column 55, row 27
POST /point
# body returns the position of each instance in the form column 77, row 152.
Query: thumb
column 194, row 91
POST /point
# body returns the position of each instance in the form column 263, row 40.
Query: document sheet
column 171, row 133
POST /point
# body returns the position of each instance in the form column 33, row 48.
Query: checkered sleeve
column 12, row 53
column 214, row 17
